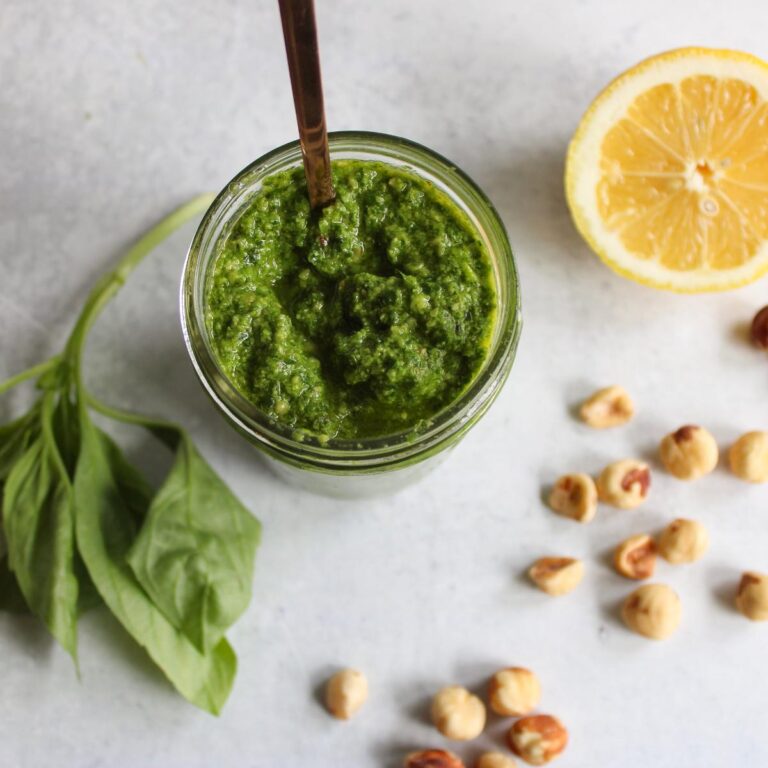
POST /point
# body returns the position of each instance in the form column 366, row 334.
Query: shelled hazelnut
column 432, row 758
column 635, row 557
column 683, row 541
column 689, row 452
column 556, row 575
column 748, row 457
column 495, row 760
column 574, row 496
column 457, row 713
column 759, row 329
column 752, row 596
column 514, row 691
column 624, row 484
column 608, row 407
column 537, row 739
column 345, row 693
column 653, row 611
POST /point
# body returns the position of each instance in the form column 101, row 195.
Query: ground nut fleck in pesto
column 362, row 319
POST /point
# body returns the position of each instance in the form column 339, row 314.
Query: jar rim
column 371, row 453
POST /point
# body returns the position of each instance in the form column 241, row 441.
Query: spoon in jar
column 300, row 33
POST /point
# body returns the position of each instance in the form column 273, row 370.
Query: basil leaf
column 105, row 532
column 66, row 430
column 15, row 438
column 39, row 531
column 11, row 598
column 135, row 491
column 195, row 553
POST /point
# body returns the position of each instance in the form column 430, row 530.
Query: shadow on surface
column 29, row 634
column 610, row 611
column 724, row 583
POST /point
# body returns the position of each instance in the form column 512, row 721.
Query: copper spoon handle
column 300, row 32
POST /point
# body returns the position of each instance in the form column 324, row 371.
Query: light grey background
column 113, row 113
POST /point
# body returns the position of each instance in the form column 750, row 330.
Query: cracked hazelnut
column 495, row 760
column 689, row 453
column 635, row 557
column 748, row 457
column 624, row 484
column 574, row 496
column 345, row 693
column 683, row 541
column 759, row 329
column 752, row 597
column 556, row 575
column 652, row 610
column 609, row 407
column 432, row 758
column 514, row 691
column 457, row 713
column 537, row 739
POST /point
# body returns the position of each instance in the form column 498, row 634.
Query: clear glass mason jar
column 372, row 465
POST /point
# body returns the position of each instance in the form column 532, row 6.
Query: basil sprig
column 80, row 525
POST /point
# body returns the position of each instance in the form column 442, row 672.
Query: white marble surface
column 113, row 113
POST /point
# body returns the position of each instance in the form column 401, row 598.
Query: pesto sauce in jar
column 363, row 319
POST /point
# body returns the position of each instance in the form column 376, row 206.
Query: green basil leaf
column 66, row 430
column 15, row 438
column 195, row 553
column 11, row 598
column 105, row 532
column 39, row 531
column 135, row 492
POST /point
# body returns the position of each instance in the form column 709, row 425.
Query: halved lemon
column 667, row 174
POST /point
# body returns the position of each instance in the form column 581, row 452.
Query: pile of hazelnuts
column 653, row 610
column 459, row 715
column 688, row 453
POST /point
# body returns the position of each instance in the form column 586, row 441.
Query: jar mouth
column 369, row 452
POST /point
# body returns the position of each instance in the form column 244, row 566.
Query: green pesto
column 360, row 320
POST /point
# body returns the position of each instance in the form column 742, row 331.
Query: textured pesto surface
column 363, row 319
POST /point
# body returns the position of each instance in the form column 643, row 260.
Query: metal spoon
column 300, row 32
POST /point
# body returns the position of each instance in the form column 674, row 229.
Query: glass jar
column 372, row 465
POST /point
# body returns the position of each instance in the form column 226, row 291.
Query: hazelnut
column 609, row 407
column 752, row 597
column 683, row 541
column 556, row 575
column 345, row 693
column 759, row 329
column 457, row 713
column 432, row 758
column 689, row 453
column 514, row 691
column 495, row 760
column 574, row 496
column 635, row 557
column 652, row 610
column 624, row 484
column 538, row 738
column 749, row 457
